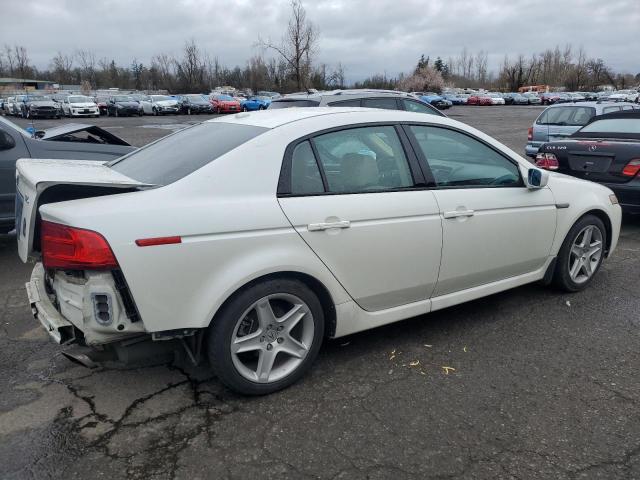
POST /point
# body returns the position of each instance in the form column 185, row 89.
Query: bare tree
column 8, row 53
column 482, row 59
column 191, row 68
column 61, row 66
column 298, row 44
column 87, row 61
column 21, row 59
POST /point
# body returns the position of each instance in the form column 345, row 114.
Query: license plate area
column 589, row 163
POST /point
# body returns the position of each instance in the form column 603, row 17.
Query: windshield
column 123, row 98
column 161, row 98
column 613, row 125
column 195, row 98
column 80, row 99
column 37, row 98
column 176, row 156
column 292, row 103
column 225, row 98
column 12, row 125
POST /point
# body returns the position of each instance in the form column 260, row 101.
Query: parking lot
column 529, row 383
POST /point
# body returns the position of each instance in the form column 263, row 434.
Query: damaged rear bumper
column 58, row 328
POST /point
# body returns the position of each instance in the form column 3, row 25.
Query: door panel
column 508, row 232
column 8, row 160
column 388, row 254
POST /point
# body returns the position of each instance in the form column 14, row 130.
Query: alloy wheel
column 272, row 338
column 586, row 253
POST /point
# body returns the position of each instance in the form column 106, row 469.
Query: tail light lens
column 632, row 168
column 72, row 248
column 548, row 161
column 530, row 134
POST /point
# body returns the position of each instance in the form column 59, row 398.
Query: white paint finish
column 389, row 255
column 496, row 240
column 234, row 230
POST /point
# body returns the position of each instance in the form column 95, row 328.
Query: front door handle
column 459, row 213
column 316, row 227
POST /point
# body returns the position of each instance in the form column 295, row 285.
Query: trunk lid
column 35, row 176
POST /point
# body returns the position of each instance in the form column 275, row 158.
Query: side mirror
column 537, row 178
column 6, row 141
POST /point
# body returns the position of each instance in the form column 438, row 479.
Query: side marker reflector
column 150, row 242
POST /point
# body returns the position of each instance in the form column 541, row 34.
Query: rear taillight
column 548, row 161
column 530, row 134
column 72, row 248
column 632, row 168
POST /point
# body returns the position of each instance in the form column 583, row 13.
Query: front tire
column 581, row 254
column 266, row 337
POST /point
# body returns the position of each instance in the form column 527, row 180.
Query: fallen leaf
column 392, row 357
column 414, row 363
column 568, row 303
column 428, row 346
column 464, row 349
column 422, row 372
column 448, row 369
column 344, row 344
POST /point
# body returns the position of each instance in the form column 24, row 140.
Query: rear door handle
column 316, row 227
column 458, row 213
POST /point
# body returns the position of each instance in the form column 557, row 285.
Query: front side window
column 384, row 103
column 346, row 103
column 458, row 160
column 564, row 116
column 613, row 125
column 365, row 159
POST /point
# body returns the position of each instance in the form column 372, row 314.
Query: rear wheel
column 266, row 337
column 581, row 254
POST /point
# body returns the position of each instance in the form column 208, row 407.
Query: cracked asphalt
column 526, row 384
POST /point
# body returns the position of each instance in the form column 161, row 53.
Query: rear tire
column 581, row 254
column 273, row 317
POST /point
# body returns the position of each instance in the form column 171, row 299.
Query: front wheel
column 266, row 337
column 581, row 254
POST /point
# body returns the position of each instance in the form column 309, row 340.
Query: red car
column 479, row 99
column 224, row 104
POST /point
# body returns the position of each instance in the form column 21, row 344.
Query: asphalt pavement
column 527, row 384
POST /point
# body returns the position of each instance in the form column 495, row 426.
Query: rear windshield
column 176, row 156
column 564, row 116
column 293, row 103
column 614, row 125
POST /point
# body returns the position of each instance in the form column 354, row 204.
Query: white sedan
column 79, row 106
column 254, row 236
column 496, row 99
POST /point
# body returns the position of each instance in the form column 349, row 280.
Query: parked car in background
column 606, row 150
column 39, row 106
column 576, row 97
column 517, row 99
column 385, row 99
column 434, row 99
column 122, row 106
column 496, row 98
column 195, row 104
column 589, row 96
column 160, row 105
column 454, row 98
column 479, row 99
column 264, row 224
column 255, row 102
column 532, row 98
column 79, row 106
column 224, row 104
column 559, row 121
column 70, row 141
column 271, row 95
column 9, row 106
column 621, row 95
column 102, row 103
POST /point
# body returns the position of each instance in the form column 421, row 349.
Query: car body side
column 229, row 215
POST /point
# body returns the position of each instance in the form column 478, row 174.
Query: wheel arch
column 602, row 215
column 315, row 285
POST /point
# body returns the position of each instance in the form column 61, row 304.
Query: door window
column 363, row 159
column 346, row 103
column 458, row 160
column 413, row 106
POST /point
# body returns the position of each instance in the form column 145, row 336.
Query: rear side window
column 176, row 156
column 305, row 174
column 365, row 159
column 610, row 109
column 458, row 160
column 614, row 125
column 566, row 116
column 413, row 106
column 385, row 103
column 292, row 103
column 346, row 103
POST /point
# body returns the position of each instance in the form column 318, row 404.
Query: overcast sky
column 368, row 37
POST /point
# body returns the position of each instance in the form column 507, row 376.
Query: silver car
column 559, row 121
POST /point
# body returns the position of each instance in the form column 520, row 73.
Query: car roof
column 585, row 104
column 275, row 118
column 360, row 93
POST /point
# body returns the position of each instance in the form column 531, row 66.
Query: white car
column 79, row 106
column 160, row 105
column 276, row 229
column 623, row 96
column 496, row 99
